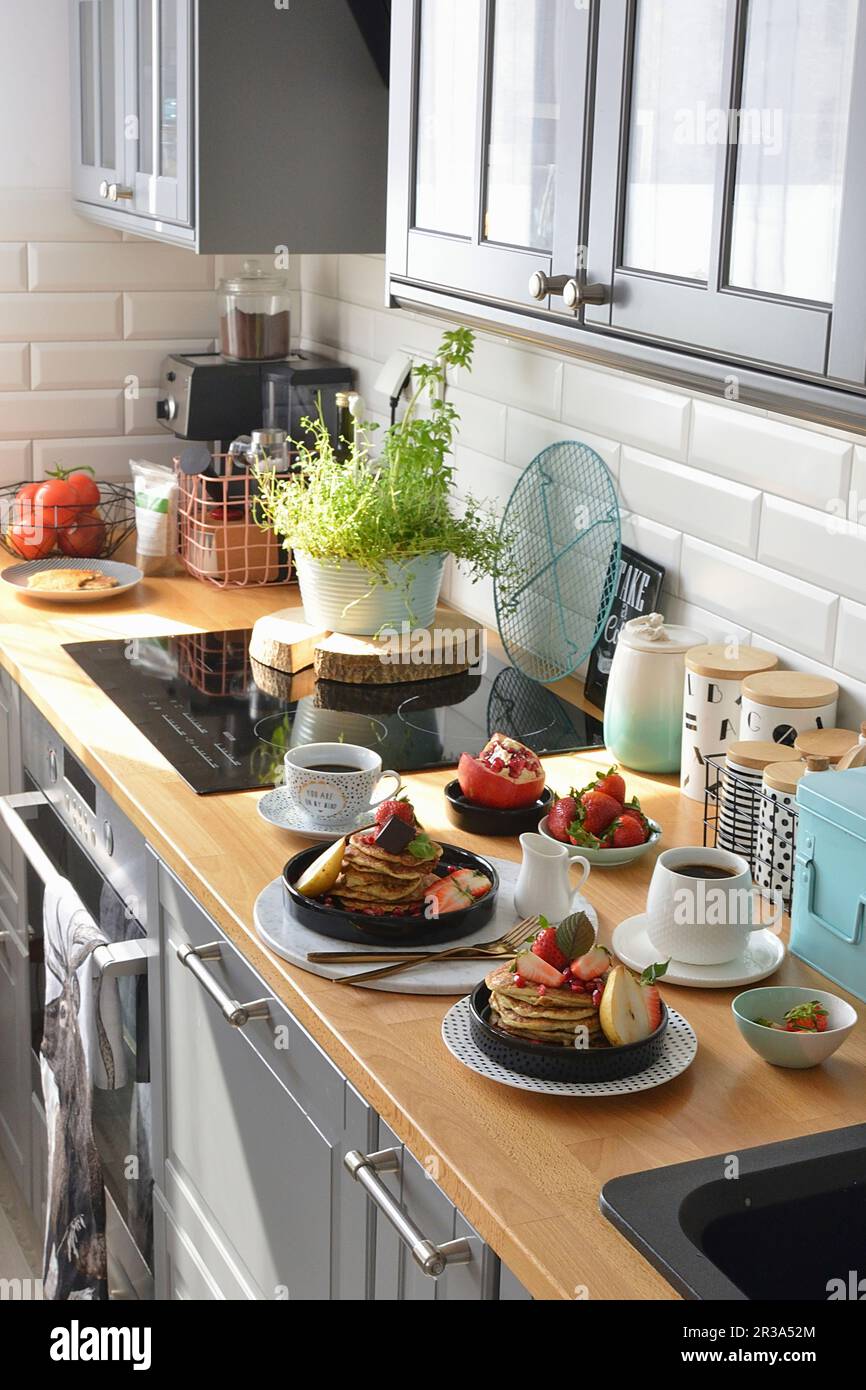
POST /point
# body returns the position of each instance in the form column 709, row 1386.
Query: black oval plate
column 357, row 927
column 551, row 1063
column 491, row 820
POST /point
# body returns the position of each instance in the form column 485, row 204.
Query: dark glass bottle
column 345, row 428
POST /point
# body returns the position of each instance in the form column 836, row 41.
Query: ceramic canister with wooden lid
column 777, row 832
column 780, row 705
column 831, row 744
column 740, row 793
column 711, row 708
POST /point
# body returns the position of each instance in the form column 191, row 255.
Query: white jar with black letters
column 711, row 708
column 780, row 705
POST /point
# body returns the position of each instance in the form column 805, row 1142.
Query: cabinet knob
column 114, row 192
column 541, row 285
column 576, row 295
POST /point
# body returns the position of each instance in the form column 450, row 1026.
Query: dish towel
column 81, row 1047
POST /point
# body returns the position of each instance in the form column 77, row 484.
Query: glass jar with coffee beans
column 255, row 315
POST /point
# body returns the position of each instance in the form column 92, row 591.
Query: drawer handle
column 235, row 1013
column 431, row 1259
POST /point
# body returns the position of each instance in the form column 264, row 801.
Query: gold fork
column 503, row 946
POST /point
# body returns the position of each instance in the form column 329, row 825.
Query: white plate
column 680, row 1050
column 608, row 858
column 127, row 577
column 278, row 808
column 762, row 957
column 293, row 941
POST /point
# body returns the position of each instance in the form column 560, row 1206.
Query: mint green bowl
column 791, row 1049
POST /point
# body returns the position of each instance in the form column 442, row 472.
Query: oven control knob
column 108, row 837
column 52, row 765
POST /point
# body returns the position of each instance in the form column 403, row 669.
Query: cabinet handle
column 573, row 292
column 114, row 192
column 235, row 1013
column 541, row 285
column 431, row 1259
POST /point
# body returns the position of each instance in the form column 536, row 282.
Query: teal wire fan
column 566, row 541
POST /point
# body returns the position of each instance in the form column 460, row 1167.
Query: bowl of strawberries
column 601, row 822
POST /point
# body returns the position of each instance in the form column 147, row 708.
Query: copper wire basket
column 116, row 513
column 220, row 540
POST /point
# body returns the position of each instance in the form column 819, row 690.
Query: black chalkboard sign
column 638, row 590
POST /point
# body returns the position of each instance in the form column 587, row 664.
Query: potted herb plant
column 371, row 538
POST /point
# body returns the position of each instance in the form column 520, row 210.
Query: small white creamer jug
column 544, row 886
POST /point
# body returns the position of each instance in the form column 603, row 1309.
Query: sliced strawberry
column 594, row 963
column 537, row 971
column 546, row 948
column 472, row 882
column 561, row 815
column 446, row 896
column 650, row 995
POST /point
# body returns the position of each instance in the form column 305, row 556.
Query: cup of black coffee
column 335, row 783
column 701, row 907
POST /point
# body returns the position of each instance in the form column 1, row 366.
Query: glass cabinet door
column 159, row 136
column 721, row 229
column 491, row 171
column 98, row 153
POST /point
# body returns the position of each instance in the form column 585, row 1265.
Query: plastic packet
column 155, row 488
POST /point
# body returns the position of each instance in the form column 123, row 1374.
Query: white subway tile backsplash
column 109, row 458
column 44, row 415
column 625, row 408
column 227, row 267
column 858, row 485
column 121, row 266
column 139, row 413
column 527, row 435
column 396, row 331
column 715, row 509
column 851, row 640
column 51, row 318
column 16, row 462
column 482, row 422
column 319, row 275
column 710, row 625
column 361, row 280
column 65, row 366
column 527, row 380
column 759, row 597
column 14, row 366
column 803, row 465
column 657, row 543
column 346, row 327
column 825, row 550
column 46, row 214
column 157, row 315
column 488, row 480
column 13, row 266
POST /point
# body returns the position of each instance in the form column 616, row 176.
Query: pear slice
column 622, row 1012
column 323, row 873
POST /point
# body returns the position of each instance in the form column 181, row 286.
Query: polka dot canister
column 777, row 834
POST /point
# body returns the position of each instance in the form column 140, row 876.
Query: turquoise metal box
column 829, row 907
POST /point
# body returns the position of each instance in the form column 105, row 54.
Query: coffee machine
column 207, row 398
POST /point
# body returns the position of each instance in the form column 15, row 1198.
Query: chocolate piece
column 395, row 835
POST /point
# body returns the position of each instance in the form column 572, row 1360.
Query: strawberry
column 545, row 946
column 594, row 963
column 612, row 784
column 402, row 808
column 560, row 816
column 625, row 832
column 445, row 896
column 470, row 881
column 599, row 811
column 651, row 997
column 531, row 967
column 633, row 808
column 807, row 1018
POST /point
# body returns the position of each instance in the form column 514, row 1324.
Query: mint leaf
column 575, row 936
column 422, row 847
column 654, row 972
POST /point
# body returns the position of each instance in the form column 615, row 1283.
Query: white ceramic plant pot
column 346, row 598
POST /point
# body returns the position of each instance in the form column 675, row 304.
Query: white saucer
column 762, row 957
column 279, row 809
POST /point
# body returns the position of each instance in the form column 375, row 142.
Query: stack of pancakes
column 374, row 880
column 553, row 1017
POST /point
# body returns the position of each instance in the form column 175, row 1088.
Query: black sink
column 791, row 1222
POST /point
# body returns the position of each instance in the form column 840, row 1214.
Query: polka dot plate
column 680, row 1050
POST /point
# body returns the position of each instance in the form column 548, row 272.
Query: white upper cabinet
column 678, row 184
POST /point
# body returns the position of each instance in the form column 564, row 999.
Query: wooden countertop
column 526, row 1170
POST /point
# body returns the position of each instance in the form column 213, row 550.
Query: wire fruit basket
column 85, row 531
column 748, row 820
column 220, row 540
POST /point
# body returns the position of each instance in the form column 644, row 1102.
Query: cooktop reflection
column 224, row 722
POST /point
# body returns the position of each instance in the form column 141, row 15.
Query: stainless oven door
column 121, row 1118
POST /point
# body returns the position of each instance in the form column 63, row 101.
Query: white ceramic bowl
column 607, row 858
column 798, row 1050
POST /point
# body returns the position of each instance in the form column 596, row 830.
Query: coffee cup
column 701, row 906
column 334, row 783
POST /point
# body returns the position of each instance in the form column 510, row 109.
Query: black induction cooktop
column 224, row 722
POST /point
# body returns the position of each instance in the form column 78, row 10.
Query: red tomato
column 84, row 538
column 87, row 489
column 58, row 502
column 31, row 544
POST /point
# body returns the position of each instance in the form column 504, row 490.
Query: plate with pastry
column 71, row 580
column 390, row 882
